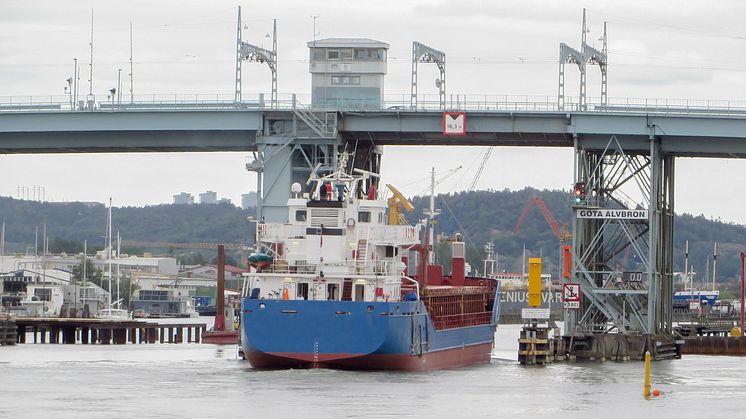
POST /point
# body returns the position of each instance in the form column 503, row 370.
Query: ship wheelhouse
column 338, row 244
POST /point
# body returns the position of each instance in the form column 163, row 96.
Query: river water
column 198, row 380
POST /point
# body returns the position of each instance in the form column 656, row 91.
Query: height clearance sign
column 617, row 214
column 454, row 123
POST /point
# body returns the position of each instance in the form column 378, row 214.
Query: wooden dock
column 104, row 332
column 7, row 332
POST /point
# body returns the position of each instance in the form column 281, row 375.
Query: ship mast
column 108, row 238
column 431, row 213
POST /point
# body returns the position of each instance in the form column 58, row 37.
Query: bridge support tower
column 628, row 207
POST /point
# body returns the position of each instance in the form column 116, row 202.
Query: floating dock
column 104, row 332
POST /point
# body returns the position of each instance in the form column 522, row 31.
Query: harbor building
column 183, row 199
column 347, row 73
column 208, row 197
column 248, row 200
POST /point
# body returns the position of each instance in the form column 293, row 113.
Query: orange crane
column 562, row 233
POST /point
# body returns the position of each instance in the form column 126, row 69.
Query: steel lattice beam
column 424, row 54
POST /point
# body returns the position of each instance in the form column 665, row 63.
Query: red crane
column 561, row 234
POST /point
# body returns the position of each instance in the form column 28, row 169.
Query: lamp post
column 119, row 86
column 76, row 77
column 69, row 91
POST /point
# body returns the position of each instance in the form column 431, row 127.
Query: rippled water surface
column 192, row 380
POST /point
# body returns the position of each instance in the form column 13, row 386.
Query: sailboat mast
column 85, row 260
column 108, row 236
column 119, row 299
column 2, row 249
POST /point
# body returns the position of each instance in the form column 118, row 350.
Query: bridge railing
column 390, row 102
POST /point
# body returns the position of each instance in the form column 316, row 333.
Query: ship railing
column 376, row 267
column 462, row 320
column 390, row 102
column 274, row 232
column 391, row 233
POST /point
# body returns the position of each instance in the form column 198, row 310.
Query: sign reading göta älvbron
column 617, row 214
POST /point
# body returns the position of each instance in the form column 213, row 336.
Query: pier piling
column 97, row 331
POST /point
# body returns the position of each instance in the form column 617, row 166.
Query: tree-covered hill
column 481, row 215
column 75, row 222
column 485, row 216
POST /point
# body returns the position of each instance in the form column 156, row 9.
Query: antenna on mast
column 237, row 96
column 90, row 64
column 131, row 69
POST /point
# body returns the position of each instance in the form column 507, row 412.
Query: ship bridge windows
column 300, row 215
column 332, row 54
column 345, row 80
column 363, row 216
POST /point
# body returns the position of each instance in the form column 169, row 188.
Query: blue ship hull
column 356, row 335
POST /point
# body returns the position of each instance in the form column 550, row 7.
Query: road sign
column 632, row 276
column 454, row 123
column 535, row 313
column 617, row 214
column 571, row 295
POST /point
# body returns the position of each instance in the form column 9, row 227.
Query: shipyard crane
column 482, row 165
column 562, row 233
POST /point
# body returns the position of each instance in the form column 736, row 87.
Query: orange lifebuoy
column 481, row 282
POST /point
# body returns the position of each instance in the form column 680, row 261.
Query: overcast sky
column 661, row 49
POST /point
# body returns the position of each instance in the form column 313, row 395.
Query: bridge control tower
column 347, row 73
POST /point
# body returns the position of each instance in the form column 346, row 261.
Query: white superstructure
column 337, row 245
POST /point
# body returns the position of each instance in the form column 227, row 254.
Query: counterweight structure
column 586, row 55
column 422, row 53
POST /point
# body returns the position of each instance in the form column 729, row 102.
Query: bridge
column 625, row 151
column 616, row 145
column 212, row 123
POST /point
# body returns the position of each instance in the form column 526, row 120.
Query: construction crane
column 562, row 233
column 481, row 168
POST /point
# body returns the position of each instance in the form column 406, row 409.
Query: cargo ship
column 331, row 288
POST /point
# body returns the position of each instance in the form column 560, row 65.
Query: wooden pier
column 7, row 332
column 104, row 332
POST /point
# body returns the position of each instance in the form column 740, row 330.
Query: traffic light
column 579, row 192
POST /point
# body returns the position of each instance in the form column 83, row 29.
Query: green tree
column 92, row 273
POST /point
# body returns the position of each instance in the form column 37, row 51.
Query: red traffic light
column 579, row 192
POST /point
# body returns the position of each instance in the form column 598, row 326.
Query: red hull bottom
column 450, row 358
column 220, row 337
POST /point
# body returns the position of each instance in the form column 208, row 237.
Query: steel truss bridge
column 625, row 153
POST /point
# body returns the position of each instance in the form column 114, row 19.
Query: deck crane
column 486, row 157
column 396, row 204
